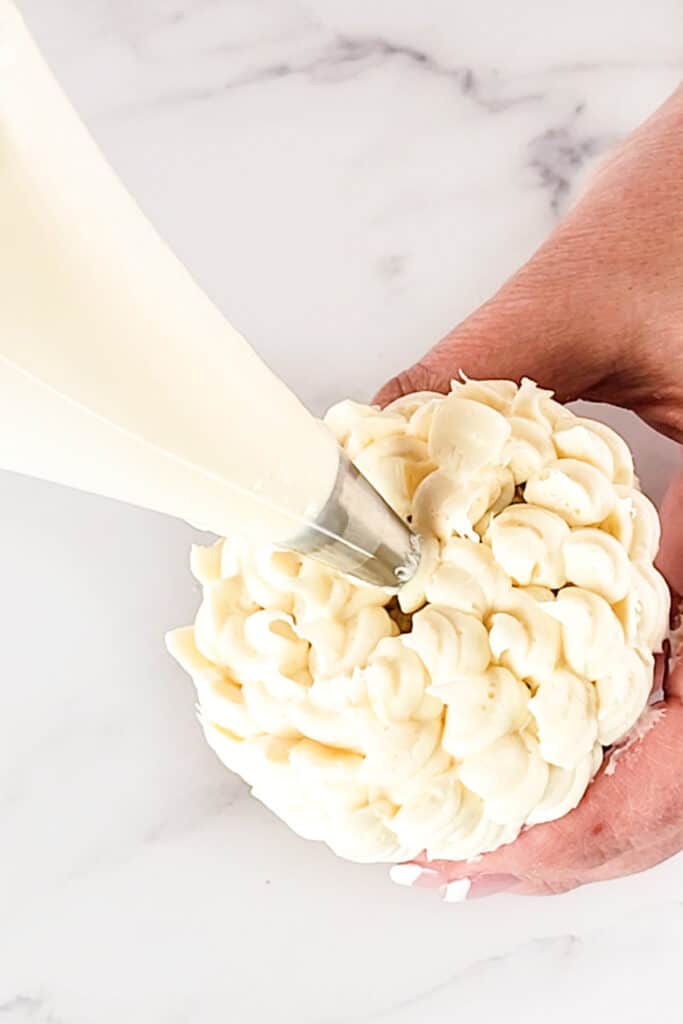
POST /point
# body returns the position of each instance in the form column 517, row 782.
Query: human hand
column 596, row 313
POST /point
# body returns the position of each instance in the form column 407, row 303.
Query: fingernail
column 414, row 874
column 491, row 885
column 457, row 891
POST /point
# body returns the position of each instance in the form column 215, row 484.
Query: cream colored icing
column 479, row 701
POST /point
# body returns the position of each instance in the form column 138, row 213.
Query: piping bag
column 118, row 375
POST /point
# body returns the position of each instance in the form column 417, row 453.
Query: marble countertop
column 347, row 179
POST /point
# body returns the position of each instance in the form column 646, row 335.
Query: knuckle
column 412, row 379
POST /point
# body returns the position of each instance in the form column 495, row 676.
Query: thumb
column 544, row 323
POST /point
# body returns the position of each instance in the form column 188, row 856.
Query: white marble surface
column 347, row 178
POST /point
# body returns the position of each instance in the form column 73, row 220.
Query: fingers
column 630, row 819
column 596, row 311
column 540, row 325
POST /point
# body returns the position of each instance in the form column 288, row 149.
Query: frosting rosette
column 479, row 698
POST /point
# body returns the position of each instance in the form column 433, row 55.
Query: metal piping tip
column 358, row 533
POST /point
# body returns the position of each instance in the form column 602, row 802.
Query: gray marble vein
column 559, row 153
column 560, row 946
column 344, row 57
column 28, row 1010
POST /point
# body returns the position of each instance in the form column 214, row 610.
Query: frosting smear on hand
column 480, row 699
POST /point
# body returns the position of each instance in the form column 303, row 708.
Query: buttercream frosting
column 479, row 698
